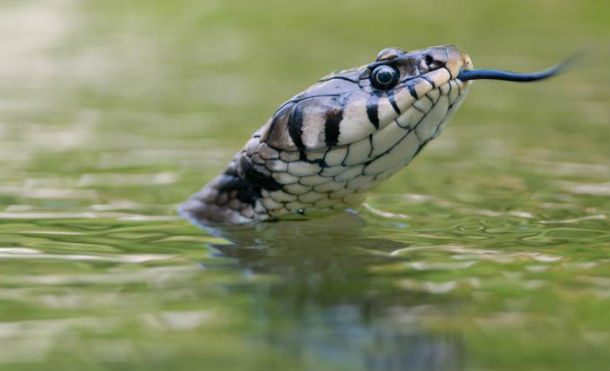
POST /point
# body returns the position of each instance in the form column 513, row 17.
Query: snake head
column 416, row 89
column 324, row 147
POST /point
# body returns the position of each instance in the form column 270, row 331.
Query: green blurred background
column 489, row 252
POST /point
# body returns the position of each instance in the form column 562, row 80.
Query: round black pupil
column 384, row 75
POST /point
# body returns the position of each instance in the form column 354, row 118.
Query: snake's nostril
column 432, row 63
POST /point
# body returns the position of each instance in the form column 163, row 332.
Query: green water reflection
column 489, row 252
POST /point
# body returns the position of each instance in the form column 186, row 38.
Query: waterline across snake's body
column 323, row 148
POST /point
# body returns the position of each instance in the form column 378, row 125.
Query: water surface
column 490, row 251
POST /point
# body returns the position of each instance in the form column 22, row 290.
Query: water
column 490, row 251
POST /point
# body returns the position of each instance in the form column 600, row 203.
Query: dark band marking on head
column 392, row 100
column 295, row 126
column 372, row 110
column 334, row 116
column 409, row 86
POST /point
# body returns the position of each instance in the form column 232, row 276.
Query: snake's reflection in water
column 327, row 300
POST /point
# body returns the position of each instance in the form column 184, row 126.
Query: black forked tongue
column 466, row 75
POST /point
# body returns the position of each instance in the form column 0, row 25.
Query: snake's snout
column 449, row 57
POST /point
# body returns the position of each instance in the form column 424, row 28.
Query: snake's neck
column 231, row 197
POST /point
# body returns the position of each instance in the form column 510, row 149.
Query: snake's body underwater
column 323, row 148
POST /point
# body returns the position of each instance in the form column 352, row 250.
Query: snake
column 325, row 147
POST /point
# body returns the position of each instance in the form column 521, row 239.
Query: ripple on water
column 27, row 253
column 596, row 189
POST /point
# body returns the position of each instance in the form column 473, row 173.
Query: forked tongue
column 466, row 75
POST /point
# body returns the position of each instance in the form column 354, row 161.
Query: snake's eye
column 384, row 77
